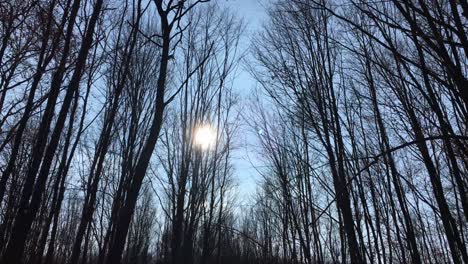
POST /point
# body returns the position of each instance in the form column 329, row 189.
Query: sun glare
column 205, row 137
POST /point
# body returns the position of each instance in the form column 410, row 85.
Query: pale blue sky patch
column 245, row 159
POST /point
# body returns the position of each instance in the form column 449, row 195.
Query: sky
column 253, row 11
column 245, row 159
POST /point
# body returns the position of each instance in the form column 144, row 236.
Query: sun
column 205, row 137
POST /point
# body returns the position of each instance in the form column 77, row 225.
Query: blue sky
column 246, row 176
column 252, row 11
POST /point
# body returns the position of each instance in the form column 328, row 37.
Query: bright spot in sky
column 205, row 137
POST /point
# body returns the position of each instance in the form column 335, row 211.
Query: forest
column 121, row 125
